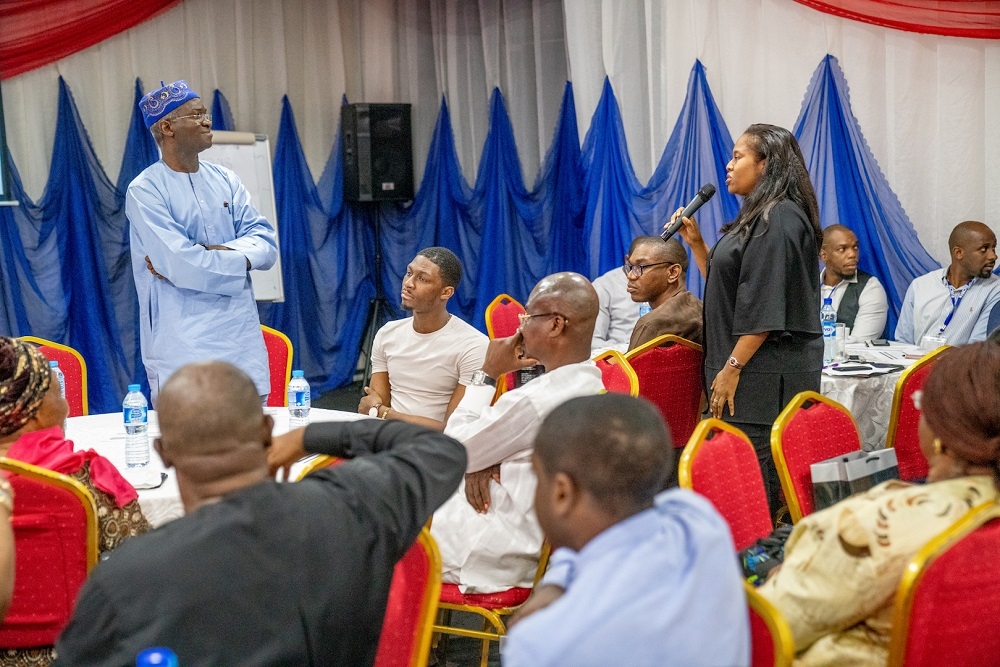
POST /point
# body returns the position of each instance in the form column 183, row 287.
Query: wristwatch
column 480, row 378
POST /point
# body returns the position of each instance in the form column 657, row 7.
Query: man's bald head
column 204, row 406
column 570, row 294
column 563, row 336
column 833, row 233
column 973, row 249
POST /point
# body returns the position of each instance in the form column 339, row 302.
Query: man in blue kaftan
column 195, row 236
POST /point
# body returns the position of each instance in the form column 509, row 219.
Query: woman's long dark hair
column 785, row 177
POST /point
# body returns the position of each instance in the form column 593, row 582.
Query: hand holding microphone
column 706, row 192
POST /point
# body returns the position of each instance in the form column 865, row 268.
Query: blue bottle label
column 135, row 415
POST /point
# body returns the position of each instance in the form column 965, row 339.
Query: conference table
column 105, row 434
column 868, row 396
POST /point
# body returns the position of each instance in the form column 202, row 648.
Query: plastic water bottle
column 298, row 401
column 828, row 317
column 136, row 413
column 644, row 308
column 158, row 656
column 54, row 365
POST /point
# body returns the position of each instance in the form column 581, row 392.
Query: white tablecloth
column 105, row 434
column 869, row 399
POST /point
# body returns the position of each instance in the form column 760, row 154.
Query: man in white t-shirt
column 422, row 364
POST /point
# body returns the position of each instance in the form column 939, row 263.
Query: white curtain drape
column 929, row 106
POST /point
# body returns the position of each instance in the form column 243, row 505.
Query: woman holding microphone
column 763, row 339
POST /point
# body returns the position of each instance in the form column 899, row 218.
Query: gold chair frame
column 615, row 358
column 897, row 394
column 67, row 483
column 777, row 443
column 659, row 341
column 79, row 357
column 781, row 633
column 494, row 617
column 917, row 567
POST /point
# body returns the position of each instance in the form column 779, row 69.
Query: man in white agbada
column 487, row 532
column 195, row 236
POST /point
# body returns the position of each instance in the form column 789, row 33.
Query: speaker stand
column 378, row 306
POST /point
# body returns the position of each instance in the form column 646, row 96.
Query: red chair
column 493, row 607
column 905, row 417
column 279, row 362
column 948, row 600
column 74, row 369
column 55, row 542
column 669, row 371
column 771, row 641
column 720, row 463
column 501, row 321
column 811, row 428
column 413, row 596
column 617, row 374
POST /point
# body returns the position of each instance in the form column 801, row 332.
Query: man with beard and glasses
column 421, row 365
column 955, row 302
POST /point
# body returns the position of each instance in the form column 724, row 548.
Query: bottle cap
column 134, row 387
column 828, row 301
column 298, row 374
column 158, row 655
column 53, row 364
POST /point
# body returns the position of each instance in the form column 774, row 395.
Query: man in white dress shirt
column 858, row 297
column 954, row 302
column 487, row 532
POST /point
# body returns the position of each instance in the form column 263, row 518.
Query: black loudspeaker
column 377, row 151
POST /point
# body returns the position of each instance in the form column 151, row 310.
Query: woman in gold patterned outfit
column 32, row 411
column 842, row 565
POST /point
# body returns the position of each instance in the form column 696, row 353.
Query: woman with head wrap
column 32, row 411
column 842, row 565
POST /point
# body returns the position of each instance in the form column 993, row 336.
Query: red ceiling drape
column 954, row 18
column 38, row 32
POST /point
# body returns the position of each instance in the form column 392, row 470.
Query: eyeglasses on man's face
column 637, row 269
column 198, row 117
column 524, row 317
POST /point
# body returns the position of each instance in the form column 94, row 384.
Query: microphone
column 707, row 192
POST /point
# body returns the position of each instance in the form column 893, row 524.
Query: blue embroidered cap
column 157, row 104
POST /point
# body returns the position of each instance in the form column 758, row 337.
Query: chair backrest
column 501, row 316
column 948, row 599
column 502, row 321
column 811, row 428
column 617, row 373
column 412, row 606
column 74, row 369
column 994, row 322
column 904, row 418
column 669, row 371
column 55, row 542
column 279, row 363
column 413, row 595
column 771, row 641
column 720, row 463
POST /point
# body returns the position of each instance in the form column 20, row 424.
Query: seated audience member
column 843, row 564
column 421, row 365
column 32, row 412
column 858, row 297
column 638, row 575
column 617, row 312
column 260, row 572
column 487, row 532
column 955, row 302
column 656, row 271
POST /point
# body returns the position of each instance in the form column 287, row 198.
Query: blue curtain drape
column 697, row 152
column 66, row 271
column 853, row 191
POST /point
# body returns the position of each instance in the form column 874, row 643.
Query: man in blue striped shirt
column 954, row 302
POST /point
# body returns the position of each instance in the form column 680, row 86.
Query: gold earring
column 938, row 448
